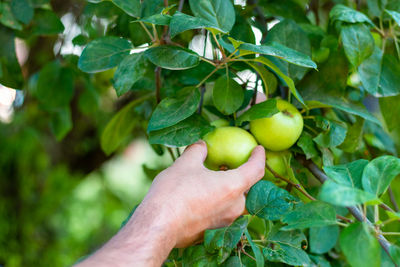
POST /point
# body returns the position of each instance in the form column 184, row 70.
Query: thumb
column 253, row 170
column 195, row 153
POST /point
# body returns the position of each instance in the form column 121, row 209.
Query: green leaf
column 349, row 174
column 151, row 7
column 268, row 201
column 390, row 111
column 354, row 136
column 172, row 110
column 197, row 256
column 287, row 248
column 22, row 10
column 347, row 14
column 306, row 144
column 181, row 22
column 368, row 250
column 313, row 214
column 10, row 74
column 225, row 239
column 358, row 43
column 217, row 12
column 379, row 173
column 289, row 9
column 343, row 195
column 323, row 239
column 157, row 19
column 379, row 74
column 227, row 95
column 103, row 54
column 257, row 252
column 334, row 136
column 289, row 34
column 395, row 15
column 184, row 133
column 280, row 51
column 130, row 7
column 46, row 22
column 289, row 82
column 261, row 110
column 172, row 57
column 61, row 122
column 131, row 69
column 7, row 18
column 55, row 87
column 120, row 126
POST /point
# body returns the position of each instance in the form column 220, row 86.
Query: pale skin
column 183, row 201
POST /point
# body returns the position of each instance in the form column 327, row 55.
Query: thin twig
column 180, row 7
column 202, row 91
column 254, row 98
column 147, row 31
column 171, row 153
column 247, row 254
column 219, row 46
column 321, row 176
column 393, row 199
column 297, row 186
column 157, row 72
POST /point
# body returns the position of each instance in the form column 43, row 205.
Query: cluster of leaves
column 180, row 65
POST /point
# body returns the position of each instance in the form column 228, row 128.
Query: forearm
column 145, row 240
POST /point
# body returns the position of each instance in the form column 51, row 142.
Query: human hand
column 197, row 198
column 183, row 201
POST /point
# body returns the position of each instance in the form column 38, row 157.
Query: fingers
column 251, row 171
column 195, row 153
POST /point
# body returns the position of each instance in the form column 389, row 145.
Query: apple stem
column 223, row 168
column 287, row 113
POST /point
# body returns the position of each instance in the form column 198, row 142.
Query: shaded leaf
column 120, row 126
column 55, row 87
column 181, row 22
column 103, row 54
column 395, row 15
column 22, row 10
column 379, row 173
column 379, row 74
column 7, row 17
column 289, row 82
column 268, row 201
column 306, row 143
column 227, row 95
column 343, row 195
column 257, row 252
column 282, row 52
column 131, row 69
column 184, row 133
column 349, row 174
column 197, row 256
column 130, row 7
column 334, row 136
column 323, row 239
column 157, row 19
column 172, row 57
column 61, row 122
column 218, row 12
column 46, row 22
column 289, row 34
column 287, row 248
column 390, row 110
column 353, row 139
column 10, row 71
column 358, row 43
column 261, row 110
column 368, row 250
column 347, row 14
column 225, row 239
column 313, row 214
column 172, row 110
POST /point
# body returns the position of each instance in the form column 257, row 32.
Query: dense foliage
column 165, row 70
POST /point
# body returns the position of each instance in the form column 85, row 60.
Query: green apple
column 228, row 147
column 280, row 131
column 277, row 162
